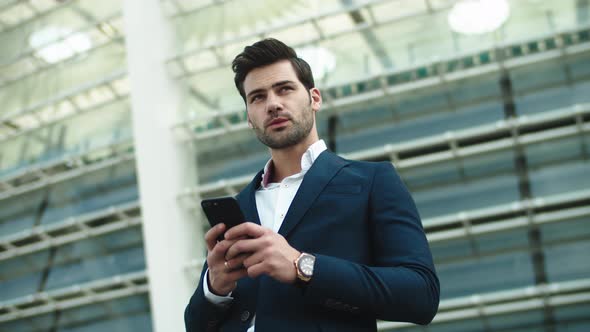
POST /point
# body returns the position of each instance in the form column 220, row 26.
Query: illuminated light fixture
column 474, row 17
column 320, row 59
column 55, row 44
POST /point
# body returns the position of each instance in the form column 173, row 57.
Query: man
column 330, row 244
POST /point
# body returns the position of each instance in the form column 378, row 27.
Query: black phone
column 223, row 210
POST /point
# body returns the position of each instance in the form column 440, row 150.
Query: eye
column 255, row 98
column 285, row 88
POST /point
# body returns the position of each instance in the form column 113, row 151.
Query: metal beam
column 369, row 35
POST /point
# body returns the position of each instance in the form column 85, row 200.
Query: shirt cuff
column 215, row 299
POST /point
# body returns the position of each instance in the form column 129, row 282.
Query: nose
column 273, row 103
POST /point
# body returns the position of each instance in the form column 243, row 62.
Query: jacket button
column 245, row 315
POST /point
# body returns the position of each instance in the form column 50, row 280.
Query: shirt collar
column 308, row 158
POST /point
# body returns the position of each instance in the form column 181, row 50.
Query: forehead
column 265, row 77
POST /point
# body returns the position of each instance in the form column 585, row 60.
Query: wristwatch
column 304, row 266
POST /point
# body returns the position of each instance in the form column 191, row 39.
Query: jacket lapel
column 317, row 177
column 247, row 200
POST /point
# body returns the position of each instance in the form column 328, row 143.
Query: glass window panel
column 21, row 265
column 467, row 196
column 495, row 242
column 388, row 10
column 544, row 100
column 445, row 250
column 568, row 229
column 579, row 67
column 98, row 246
column 19, row 213
column 57, row 80
column 520, row 321
column 567, row 261
column 430, row 175
column 202, row 60
column 100, row 9
column 134, row 322
column 554, row 152
column 93, row 268
column 573, row 318
column 296, row 35
column 537, row 76
column 89, row 314
column 488, row 164
column 469, row 325
column 91, row 192
column 34, row 323
column 234, row 168
column 575, row 326
column 485, row 274
column 355, row 58
column 336, row 23
column 560, row 179
column 15, row 14
column 105, row 125
column 215, row 90
column 373, row 112
column 19, row 287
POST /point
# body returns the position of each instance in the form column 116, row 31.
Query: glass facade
column 491, row 134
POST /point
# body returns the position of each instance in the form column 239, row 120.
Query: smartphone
column 223, row 210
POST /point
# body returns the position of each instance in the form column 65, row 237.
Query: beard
column 287, row 137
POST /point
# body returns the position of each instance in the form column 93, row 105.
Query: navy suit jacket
column 372, row 257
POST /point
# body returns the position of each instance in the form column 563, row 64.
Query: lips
column 277, row 122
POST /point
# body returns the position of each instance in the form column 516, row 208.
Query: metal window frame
column 37, row 14
column 452, row 145
column 68, row 96
column 119, row 286
column 93, row 224
column 512, row 301
column 439, row 73
column 65, row 168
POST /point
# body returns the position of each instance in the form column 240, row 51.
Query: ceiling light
column 473, row 17
column 320, row 59
column 54, row 44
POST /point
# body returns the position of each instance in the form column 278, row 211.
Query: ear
column 316, row 99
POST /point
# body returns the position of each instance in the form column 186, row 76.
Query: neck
column 287, row 161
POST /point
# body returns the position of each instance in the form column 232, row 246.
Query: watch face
column 306, row 265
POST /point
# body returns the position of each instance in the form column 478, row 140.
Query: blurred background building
column 483, row 106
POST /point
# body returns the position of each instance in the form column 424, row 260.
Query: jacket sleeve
column 401, row 283
column 200, row 314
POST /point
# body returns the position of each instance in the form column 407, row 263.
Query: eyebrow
column 277, row 84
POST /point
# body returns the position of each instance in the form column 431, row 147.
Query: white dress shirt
column 272, row 202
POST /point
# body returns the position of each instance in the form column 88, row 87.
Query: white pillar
column 164, row 166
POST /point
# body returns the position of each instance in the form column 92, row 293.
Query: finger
column 236, row 262
column 212, row 235
column 256, row 270
column 217, row 255
column 245, row 246
column 237, row 274
column 254, row 259
column 247, row 229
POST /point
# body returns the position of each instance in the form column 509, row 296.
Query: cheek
column 254, row 118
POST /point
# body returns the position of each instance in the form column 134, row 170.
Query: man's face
column 280, row 109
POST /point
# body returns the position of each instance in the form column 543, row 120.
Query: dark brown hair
column 266, row 52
